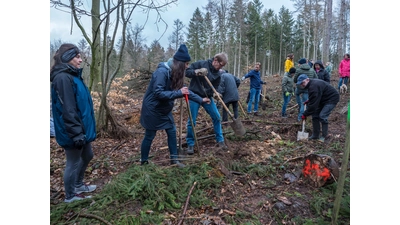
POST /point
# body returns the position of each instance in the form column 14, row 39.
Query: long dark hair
column 60, row 51
column 178, row 74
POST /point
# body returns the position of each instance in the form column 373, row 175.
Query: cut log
column 320, row 170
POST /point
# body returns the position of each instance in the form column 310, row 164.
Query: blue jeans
column 301, row 100
column 286, row 101
column 341, row 80
column 148, row 139
column 74, row 172
column 254, row 96
column 212, row 110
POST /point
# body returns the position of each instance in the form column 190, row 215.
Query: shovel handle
column 219, row 97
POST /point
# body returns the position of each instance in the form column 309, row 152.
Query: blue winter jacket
column 255, row 79
column 158, row 101
column 72, row 106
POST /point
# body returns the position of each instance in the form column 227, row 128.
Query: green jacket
column 287, row 83
column 305, row 69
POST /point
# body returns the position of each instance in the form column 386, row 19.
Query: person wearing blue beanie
column 165, row 86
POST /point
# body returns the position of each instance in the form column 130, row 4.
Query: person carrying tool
column 74, row 121
column 323, row 98
column 200, row 86
column 228, row 88
column 255, row 87
column 165, row 86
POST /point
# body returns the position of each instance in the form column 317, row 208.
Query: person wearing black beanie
column 73, row 117
column 165, row 86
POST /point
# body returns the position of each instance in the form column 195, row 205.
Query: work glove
column 79, row 141
column 306, row 102
column 216, row 94
column 303, row 117
column 243, row 78
column 292, row 93
column 287, row 94
column 201, row 72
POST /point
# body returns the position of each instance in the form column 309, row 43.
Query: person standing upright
column 228, row 88
column 289, row 62
column 304, row 68
column 199, row 85
column 328, row 68
column 74, row 121
column 255, row 87
column 165, row 86
column 287, row 89
column 344, row 70
column 321, row 72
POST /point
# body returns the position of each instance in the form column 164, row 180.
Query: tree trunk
column 327, row 32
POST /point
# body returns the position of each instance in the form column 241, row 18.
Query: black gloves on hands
column 79, row 141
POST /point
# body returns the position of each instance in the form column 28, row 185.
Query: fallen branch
column 116, row 147
column 186, row 204
column 94, row 216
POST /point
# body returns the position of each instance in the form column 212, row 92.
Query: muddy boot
column 179, row 164
column 316, row 128
column 324, row 132
column 190, row 150
column 221, row 145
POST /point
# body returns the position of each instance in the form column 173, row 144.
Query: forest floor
column 266, row 136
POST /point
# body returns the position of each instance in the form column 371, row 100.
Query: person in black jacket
column 165, row 86
column 322, row 99
column 200, row 86
column 74, row 121
column 321, row 72
column 228, row 88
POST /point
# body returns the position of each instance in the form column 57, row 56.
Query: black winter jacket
column 158, row 101
column 322, row 73
column 228, row 88
column 320, row 93
column 198, row 84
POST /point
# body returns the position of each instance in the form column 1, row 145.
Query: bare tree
column 327, row 31
column 176, row 37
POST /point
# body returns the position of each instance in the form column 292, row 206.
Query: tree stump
column 320, row 170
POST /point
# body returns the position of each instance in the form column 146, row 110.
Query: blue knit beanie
column 182, row 54
column 302, row 61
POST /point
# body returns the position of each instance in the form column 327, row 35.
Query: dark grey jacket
column 198, row 84
column 322, row 73
column 320, row 93
column 229, row 88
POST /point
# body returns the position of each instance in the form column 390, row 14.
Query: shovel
column 236, row 125
column 301, row 135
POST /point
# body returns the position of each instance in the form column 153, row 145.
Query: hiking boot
column 179, row 164
column 222, row 145
column 321, row 139
column 77, row 197
column 316, row 128
column 190, row 150
column 144, row 163
column 85, row 188
column 257, row 114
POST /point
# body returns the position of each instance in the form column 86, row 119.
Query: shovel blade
column 302, row 135
column 237, row 127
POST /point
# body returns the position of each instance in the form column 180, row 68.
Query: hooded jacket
column 344, row 68
column 158, row 101
column 322, row 73
column 287, row 83
column 72, row 106
column 320, row 93
column 198, row 84
column 304, row 69
column 228, row 88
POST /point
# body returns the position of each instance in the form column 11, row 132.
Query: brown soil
column 264, row 138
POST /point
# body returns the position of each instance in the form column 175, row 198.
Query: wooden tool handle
column 219, row 97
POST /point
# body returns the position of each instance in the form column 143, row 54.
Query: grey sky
column 60, row 22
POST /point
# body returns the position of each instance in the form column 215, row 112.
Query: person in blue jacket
column 255, row 88
column 74, row 120
column 165, row 86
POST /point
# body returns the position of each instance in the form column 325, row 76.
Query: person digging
column 322, row 99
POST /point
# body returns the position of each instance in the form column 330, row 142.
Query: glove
column 303, row 117
column 293, row 94
column 243, row 78
column 217, row 94
column 306, row 102
column 201, row 72
column 287, row 94
column 79, row 141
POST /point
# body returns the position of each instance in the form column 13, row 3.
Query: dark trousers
column 235, row 111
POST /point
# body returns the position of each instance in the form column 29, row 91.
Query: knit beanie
column 302, row 61
column 292, row 70
column 182, row 54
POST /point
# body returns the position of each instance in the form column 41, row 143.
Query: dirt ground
column 264, row 137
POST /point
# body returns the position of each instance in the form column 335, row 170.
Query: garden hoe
column 236, row 125
column 301, row 135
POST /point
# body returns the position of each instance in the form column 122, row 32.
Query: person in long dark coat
column 165, row 86
column 228, row 88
